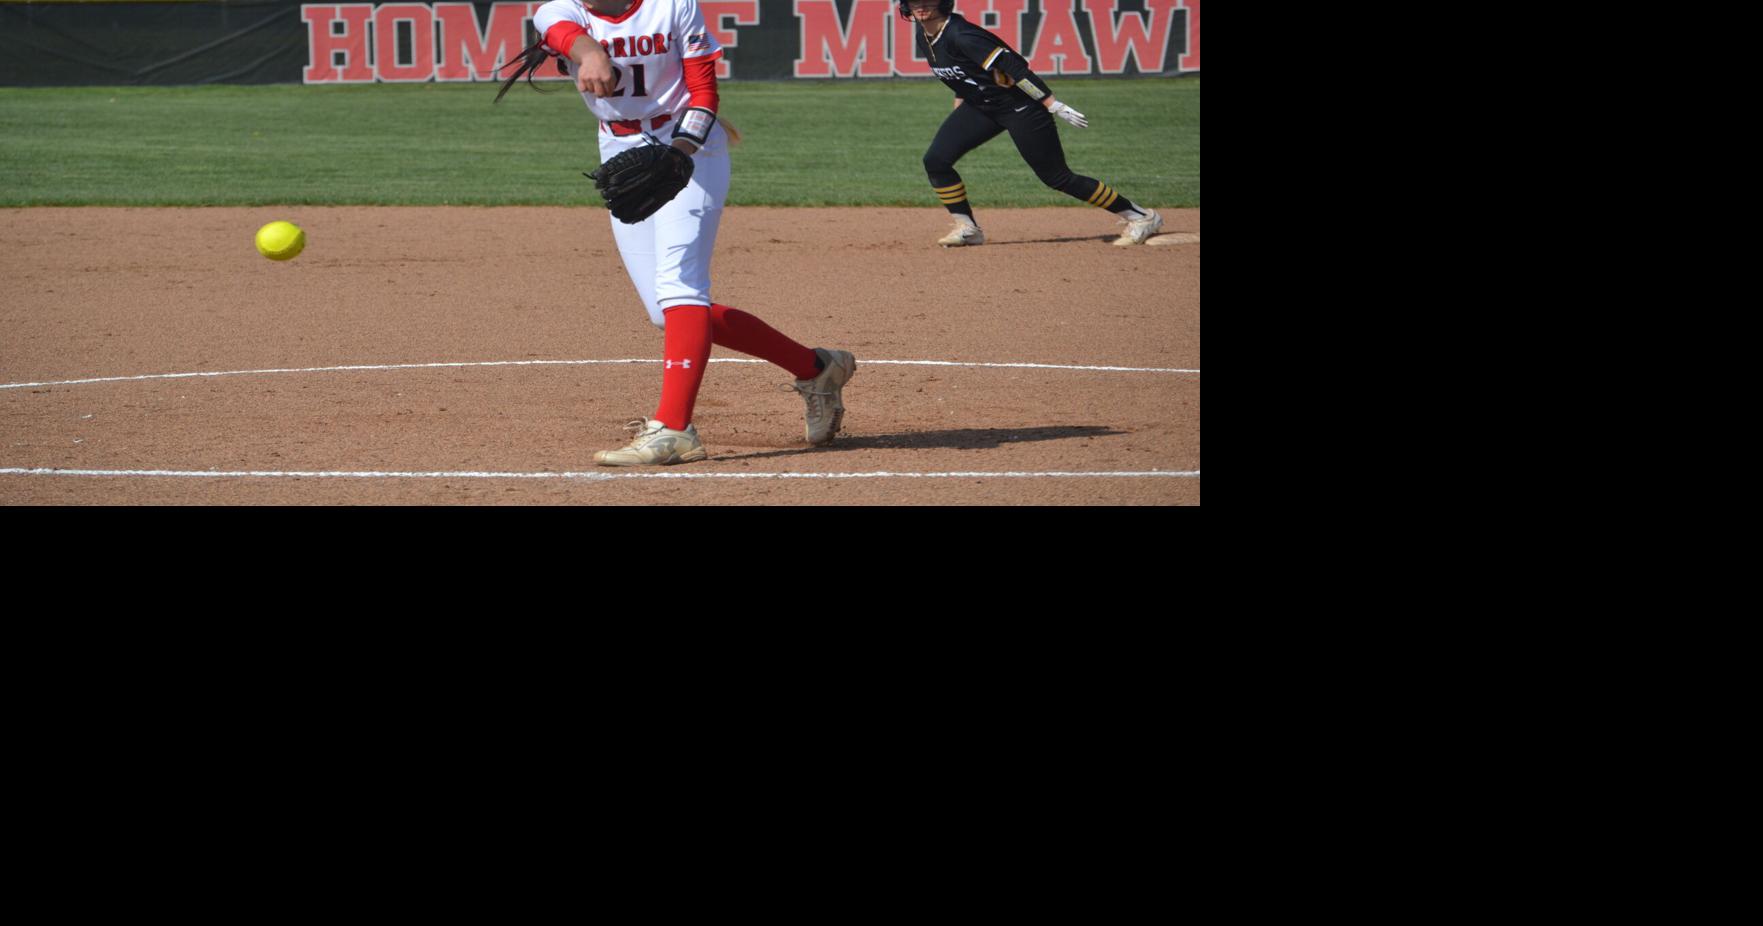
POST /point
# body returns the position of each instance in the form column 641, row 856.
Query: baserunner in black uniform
column 996, row 93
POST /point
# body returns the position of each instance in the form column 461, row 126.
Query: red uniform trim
column 633, row 126
column 736, row 330
column 701, row 82
column 686, row 349
column 620, row 17
column 562, row 36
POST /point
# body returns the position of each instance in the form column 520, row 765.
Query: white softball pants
column 668, row 254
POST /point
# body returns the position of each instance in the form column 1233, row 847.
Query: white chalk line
column 586, row 477
column 537, row 363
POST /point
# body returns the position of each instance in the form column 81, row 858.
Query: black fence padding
column 266, row 41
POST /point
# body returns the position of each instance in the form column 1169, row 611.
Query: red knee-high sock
column 686, row 354
column 736, row 330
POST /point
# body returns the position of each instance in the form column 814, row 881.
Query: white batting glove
column 1069, row 115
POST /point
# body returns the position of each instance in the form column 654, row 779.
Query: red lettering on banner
column 1190, row 61
column 1008, row 22
column 545, row 72
column 830, row 49
column 421, row 65
column 716, row 12
column 907, row 63
column 325, row 45
column 1058, row 47
column 468, row 53
column 1116, row 33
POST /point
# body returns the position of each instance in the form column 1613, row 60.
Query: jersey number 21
column 638, row 87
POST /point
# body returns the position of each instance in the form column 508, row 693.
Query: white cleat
column 963, row 235
column 825, row 395
column 1137, row 230
column 655, row 445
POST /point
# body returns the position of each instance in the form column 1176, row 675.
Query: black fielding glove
column 637, row 182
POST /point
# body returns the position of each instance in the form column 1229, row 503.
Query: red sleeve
column 562, row 36
column 701, row 82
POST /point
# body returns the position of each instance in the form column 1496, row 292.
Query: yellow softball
column 280, row 241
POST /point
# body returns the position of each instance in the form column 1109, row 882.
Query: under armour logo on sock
column 670, row 364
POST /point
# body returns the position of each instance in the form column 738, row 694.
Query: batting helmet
column 945, row 7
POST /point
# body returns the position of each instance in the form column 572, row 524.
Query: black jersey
column 980, row 68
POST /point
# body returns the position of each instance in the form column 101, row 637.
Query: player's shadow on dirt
column 963, row 439
column 1006, row 243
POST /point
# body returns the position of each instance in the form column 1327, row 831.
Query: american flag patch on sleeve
column 699, row 42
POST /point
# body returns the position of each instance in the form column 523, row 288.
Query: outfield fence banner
column 265, row 41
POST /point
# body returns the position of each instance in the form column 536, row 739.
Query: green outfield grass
column 807, row 144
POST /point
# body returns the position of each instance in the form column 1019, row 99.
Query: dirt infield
column 1046, row 367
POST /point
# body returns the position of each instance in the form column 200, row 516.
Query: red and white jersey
column 649, row 44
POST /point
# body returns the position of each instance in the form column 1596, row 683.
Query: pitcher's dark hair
column 529, row 59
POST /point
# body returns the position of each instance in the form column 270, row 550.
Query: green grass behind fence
column 807, row 144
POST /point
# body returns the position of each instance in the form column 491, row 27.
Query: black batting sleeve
column 994, row 55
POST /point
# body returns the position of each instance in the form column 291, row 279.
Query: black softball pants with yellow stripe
column 1036, row 138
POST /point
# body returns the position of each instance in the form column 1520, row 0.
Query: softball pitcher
column 648, row 68
column 995, row 93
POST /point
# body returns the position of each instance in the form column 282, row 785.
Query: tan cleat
column 825, row 394
column 656, row 445
column 1137, row 230
column 963, row 235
